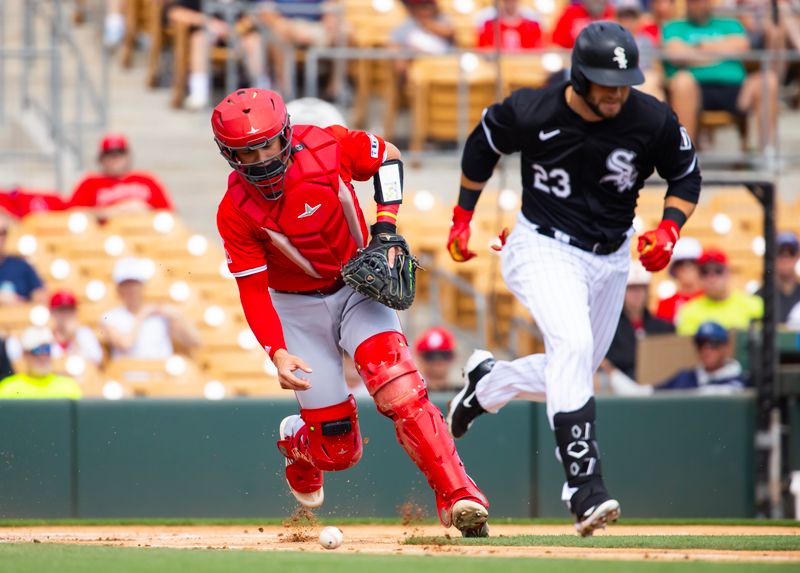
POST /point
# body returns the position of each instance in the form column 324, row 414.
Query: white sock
column 199, row 86
column 114, row 29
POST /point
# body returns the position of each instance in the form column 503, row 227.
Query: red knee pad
column 388, row 370
column 334, row 438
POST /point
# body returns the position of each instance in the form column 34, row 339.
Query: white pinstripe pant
column 576, row 298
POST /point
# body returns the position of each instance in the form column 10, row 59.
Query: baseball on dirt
column 331, row 537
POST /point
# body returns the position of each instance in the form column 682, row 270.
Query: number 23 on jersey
column 556, row 181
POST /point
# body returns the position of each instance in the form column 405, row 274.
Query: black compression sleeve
column 676, row 215
column 479, row 159
column 468, row 198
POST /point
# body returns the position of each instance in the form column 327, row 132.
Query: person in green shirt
column 704, row 73
column 731, row 308
column 38, row 380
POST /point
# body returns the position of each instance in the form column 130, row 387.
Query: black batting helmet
column 605, row 53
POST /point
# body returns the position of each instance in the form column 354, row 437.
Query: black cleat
column 464, row 408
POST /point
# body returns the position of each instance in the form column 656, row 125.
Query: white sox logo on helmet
column 623, row 174
column 620, row 57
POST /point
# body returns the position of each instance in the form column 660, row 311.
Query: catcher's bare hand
column 286, row 364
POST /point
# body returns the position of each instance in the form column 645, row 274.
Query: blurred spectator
column 716, row 370
column 118, row 189
column 315, row 24
column 705, row 74
column 426, row 30
column 19, row 281
column 519, row 27
column 70, row 338
column 20, row 202
column 635, row 322
column 731, row 308
column 5, row 364
column 786, row 264
column 114, row 25
column 210, row 30
column 793, row 320
column 38, row 380
column 686, row 272
column 435, row 350
column 661, row 12
column 576, row 17
column 7, row 207
column 629, row 15
column 138, row 329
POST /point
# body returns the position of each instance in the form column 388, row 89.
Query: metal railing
column 47, row 38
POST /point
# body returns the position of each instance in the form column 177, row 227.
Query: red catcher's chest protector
column 317, row 223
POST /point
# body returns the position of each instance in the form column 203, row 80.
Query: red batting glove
column 501, row 240
column 655, row 247
column 459, row 236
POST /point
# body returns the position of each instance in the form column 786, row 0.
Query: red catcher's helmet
column 251, row 119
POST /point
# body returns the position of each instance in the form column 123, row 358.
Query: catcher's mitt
column 369, row 273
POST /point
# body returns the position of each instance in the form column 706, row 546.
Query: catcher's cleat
column 305, row 481
column 464, row 408
column 597, row 517
column 469, row 517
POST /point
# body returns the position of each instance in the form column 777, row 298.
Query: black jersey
column 581, row 177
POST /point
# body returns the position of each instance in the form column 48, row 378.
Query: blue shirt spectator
column 19, row 281
column 19, row 277
column 716, row 370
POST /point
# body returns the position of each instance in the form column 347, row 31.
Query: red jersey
column 306, row 235
column 573, row 19
column 103, row 191
column 524, row 34
column 668, row 307
column 300, row 240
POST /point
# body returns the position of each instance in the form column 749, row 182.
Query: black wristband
column 468, row 198
column 676, row 215
column 383, row 227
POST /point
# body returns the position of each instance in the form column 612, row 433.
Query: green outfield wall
column 662, row 457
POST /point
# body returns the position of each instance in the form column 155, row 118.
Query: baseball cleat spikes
column 470, row 517
column 464, row 407
column 598, row 517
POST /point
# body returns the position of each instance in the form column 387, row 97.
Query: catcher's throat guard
column 369, row 273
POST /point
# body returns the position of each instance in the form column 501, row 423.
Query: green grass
column 39, row 558
column 375, row 520
column 718, row 542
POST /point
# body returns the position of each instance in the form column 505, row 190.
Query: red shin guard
column 385, row 364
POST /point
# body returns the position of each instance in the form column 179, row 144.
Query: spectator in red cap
column 720, row 303
column 69, row 337
column 117, row 188
column 435, row 350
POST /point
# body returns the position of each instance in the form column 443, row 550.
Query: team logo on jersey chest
column 622, row 172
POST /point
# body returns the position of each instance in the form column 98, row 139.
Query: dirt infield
column 388, row 539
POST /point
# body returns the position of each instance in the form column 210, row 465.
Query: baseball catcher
column 294, row 235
